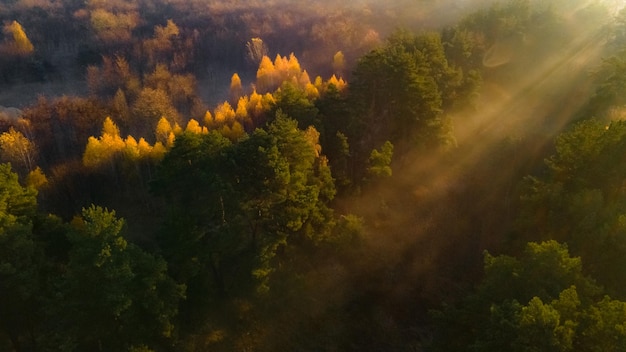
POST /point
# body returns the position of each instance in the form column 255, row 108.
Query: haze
column 411, row 175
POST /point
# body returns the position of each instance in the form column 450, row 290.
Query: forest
column 275, row 175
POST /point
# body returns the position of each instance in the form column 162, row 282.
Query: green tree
column 507, row 310
column 236, row 207
column 396, row 96
column 20, row 284
column 114, row 294
column 293, row 102
column 579, row 200
column 380, row 161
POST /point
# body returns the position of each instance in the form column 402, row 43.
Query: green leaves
column 581, row 199
column 235, row 206
column 532, row 303
column 114, row 293
column 380, row 161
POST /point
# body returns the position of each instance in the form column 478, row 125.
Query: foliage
column 579, row 200
column 19, row 262
column 238, row 247
column 380, row 161
column 260, row 196
column 116, row 293
column 18, row 149
column 539, row 302
column 19, row 45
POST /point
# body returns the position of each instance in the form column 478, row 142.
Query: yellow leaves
column 177, row 129
column 131, row 148
column 36, row 179
column 237, row 131
column 304, row 79
column 271, row 75
column 319, row 83
column 311, row 91
column 236, row 89
column 339, row 83
column 18, row 44
column 163, row 130
column 224, row 113
column 16, row 148
column 95, row 154
column 111, row 27
column 158, row 152
column 193, row 127
column 171, row 138
column 105, row 149
column 208, row 119
column 339, row 63
column 159, row 78
column 265, row 74
column 110, row 128
column 170, row 30
column 100, row 151
column 143, row 147
column 242, row 111
column 293, row 66
column 313, row 137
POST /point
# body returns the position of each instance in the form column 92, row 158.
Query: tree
column 380, row 161
column 256, row 50
column 101, row 151
column 115, row 295
column 339, row 63
column 236, row 206
column 533, row 303
column 578, row 201
column 292, row 101
column 19, row 45
column 150, row 106
column 396, row 99
column 113, row 29
column 18, row 150
column 20, row 284
column 236, row 91
column 36, row 179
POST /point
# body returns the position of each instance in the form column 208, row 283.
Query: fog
column 425, row 229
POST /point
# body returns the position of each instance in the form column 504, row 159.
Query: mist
column 397, row 247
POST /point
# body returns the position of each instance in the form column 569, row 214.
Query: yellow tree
column 209, row 122
column 304, row 79
column 17, row 42
column 36, row 179
column 236, row 90
column 113, row 28
column 224, row 113
column 144, row 148
column 339, row 83
column 293, row 66
column 339, row 63
column 265, row 75
column 311, row 92
column 163, row 130
column 102, row 150
column 241, row 114
column 193, row 127
column 131, row 149
column 17, row 149
column 281, row 65
column 160, row 47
